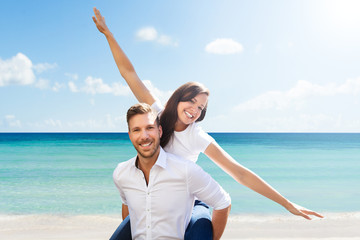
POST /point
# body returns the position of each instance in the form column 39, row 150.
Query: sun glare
column 344, row 13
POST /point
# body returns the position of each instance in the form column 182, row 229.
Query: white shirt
column 162, row 210
column 188, row 143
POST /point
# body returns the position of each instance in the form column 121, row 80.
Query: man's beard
column 149, row 154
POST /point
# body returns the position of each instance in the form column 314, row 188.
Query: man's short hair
column 141, row 108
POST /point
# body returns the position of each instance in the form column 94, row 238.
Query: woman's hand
column 301, row 211
column 99, row 21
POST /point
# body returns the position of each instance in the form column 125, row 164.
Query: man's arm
column 116, row 177
column 219, row 220
column 208, row 190
column 124, row 211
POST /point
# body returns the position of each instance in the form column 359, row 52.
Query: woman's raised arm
column 252, row 181
column 124, row 65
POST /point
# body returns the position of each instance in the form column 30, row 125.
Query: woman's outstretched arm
column 252, row 181
column 124, row 65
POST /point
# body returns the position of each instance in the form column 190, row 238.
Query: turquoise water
column 71, row 173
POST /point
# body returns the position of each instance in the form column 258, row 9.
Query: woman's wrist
column 287, row 204
column 108, row 34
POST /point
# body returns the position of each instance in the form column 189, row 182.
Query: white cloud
column 103, row 123
column 283, row 121
column 97, row 86
column 298, row 95
column 42, row 67
column 72, row 76
column 147, row 34
column 167, row 40
column 72, row 86
column 224, row 46
column 17, row 71
column 306, row 107
column 42, row 83
column 85, row 125
column 296, row 123
column 163, row 96
column 57, row 86
column 109, row 121
column 53, row 123
column 120, row 90
column 151, row 34
column 12, row 122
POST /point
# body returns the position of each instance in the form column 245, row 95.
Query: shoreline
column 249, row 226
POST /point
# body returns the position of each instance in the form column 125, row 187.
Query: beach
column 59, row 186
column 81, row 227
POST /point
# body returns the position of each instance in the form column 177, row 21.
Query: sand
column 55, row 227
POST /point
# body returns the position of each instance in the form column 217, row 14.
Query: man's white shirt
column 162, row 209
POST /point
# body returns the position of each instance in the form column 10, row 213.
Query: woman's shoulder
column 194, row 133
column 195, row 128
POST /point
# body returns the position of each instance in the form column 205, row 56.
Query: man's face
column 145, row 134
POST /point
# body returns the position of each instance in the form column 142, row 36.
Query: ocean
column 71, row 173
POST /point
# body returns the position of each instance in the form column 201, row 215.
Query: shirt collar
column 161, row 160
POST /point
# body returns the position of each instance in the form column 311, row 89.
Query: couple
column 181, row 136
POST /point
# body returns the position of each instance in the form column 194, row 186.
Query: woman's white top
column 188, row 143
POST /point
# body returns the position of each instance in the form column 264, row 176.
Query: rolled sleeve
column 158, row 107
column 205, row 188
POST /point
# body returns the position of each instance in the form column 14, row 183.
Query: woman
column 181, row 134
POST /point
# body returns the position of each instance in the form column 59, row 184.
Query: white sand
column 335, row 226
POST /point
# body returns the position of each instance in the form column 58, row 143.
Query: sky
column 270, row 66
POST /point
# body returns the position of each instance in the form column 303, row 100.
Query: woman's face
column 188, row 112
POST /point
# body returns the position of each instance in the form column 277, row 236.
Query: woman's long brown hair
column 169, row 116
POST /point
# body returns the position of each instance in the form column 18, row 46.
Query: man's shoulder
column 126, row 163
column 123, row 166
column 175, row 158
column 189, row 167
column 179, row 161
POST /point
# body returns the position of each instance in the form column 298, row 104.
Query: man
column 158, row 189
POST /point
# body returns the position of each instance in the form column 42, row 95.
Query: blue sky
column 271, row 66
